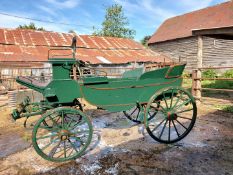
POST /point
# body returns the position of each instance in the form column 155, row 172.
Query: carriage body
column 154, row 98
column 112, row 94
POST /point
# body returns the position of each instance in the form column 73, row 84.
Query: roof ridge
column 195, row 11
column 181, row 26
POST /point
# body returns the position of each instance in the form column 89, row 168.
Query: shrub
column 209, row 74
column 228, row 74
column 186, row 74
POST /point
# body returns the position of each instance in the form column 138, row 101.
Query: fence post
column 196, row 84
column 199, row 66
column 194, row 78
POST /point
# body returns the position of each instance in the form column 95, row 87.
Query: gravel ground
column 118, row 148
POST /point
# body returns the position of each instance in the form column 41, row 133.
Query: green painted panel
column 118, row 96
column 158, row 73
column 66, row 91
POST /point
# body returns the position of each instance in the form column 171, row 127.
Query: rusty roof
column 217, row 16
column 29, row 45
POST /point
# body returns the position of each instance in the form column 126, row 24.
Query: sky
column 144, row 16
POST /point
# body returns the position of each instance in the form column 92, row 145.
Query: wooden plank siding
column 184, row 49
column 216, row 51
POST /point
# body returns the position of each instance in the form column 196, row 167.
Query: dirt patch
column 118, row 148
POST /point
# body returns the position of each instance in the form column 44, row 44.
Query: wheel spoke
column 158, row 125
column 181, row 124
column 51, row 118
column 64, row 148
column 134, row 111
column 156, row 108
column 164, row 97
column 138, row 114
column 71, row 120
column 54, row 122
column 178, row 99
column 61, row 150
column 172, row 98
column 184, row 111
column 47, row 145
column 153, row 114
column 77, row 124
column 184, row 117
column 46, row 136
column 71, row 151
column 62, row 119
column 182, row 104
column 169, row 130
column 163, row 129
column 175, row 128
column 54, row 150
column 80, row 132
column 49, row 128
column 149, row 114
column 79, row 139
column 72, row 145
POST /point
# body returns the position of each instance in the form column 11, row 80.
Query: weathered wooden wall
column 184, row 49
column 216, row 51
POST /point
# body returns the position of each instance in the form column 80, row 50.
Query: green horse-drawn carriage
column 154, row 98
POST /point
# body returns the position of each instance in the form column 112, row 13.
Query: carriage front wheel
column 62, row 134
column 176, row 112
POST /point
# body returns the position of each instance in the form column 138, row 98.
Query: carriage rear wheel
column 133, row 114
column 65, row 136
column 175, row 116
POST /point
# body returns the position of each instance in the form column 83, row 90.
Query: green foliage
column 228, row 74
column 217, row 84
column 145, row 40
column 31, row 26
column 210, row 73
column 226, row 108
column 115, row 24
column 186, row 74
column 72, row 31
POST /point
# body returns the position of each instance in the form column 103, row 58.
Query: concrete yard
column 118, row 148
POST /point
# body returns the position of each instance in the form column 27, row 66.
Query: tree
column 31, row 26
column 115, row 24
column 145, row 40
column 72, row 31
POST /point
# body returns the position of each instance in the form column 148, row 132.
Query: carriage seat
column 33, row 81
column 135, row 73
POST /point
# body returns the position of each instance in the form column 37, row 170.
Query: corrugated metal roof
column 181, row 26
column 30, row 45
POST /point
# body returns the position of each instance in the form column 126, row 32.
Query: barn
column 25, row 52
column 202, row 38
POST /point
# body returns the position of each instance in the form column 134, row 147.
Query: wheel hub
column 171, row 116
column 64, row 134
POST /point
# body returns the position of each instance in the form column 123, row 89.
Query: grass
column 225, row 108
column 187, row 83
column 217, row 84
